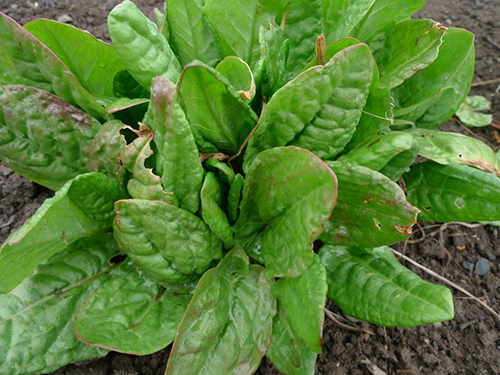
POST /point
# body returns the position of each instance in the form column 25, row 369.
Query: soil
column 469, row 344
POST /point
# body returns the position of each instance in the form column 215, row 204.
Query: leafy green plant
column 470, row 110
column 196, row 164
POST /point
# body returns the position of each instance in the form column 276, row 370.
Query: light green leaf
column 318, row 110
column 406, row 48
column 38, row 313
column 168, row 243
column 124, row 103
column 93, row 62
column 225, row 172
column 469, row 111
column 239, row 75
column 234, row 197
column 81, row 208
column 214, row 108
column 130, row 314
column 431, row 96
column 42, row 137
column 289, row 193
column 190, row 33
column 27, row 61
column 212, row 213
column 371, row 210
column 227, row 327
column 376, row 288
column 400, row 163
column 140, row 45
column 302, row 300
column 453, row 192
column 332, row 49
column 446, row 147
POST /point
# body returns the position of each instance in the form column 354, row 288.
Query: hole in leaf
column 427, row 208
column 129, row 135
column 118, row 259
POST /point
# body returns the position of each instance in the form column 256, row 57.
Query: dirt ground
column 469, row 344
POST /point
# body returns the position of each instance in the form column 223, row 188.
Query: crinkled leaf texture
column 371, row 209
column 131, row 314
column 469, row 111
column 319, row 109
column 170, row 244
column 376, row 288
column 453, row 192
column 42, row 137
column 81, row 208
column 228, row 325
column 288, row 195
column 35, row 317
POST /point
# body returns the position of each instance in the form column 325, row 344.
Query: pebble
column 483, row 266
column 65, row 18
column 468, row 266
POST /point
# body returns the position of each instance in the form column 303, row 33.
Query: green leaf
column 239, row 75
column 81, row 208
column 469, row 111
column 182, row 172
column 431, row 96
column 237, row 25
column 167, row 242
column 302, row 300
column 289, row 193
column 376, row 288
column 225, row 171
column 42, row 137
column 288, row 352
column 446, row 147
column 124, row 103
column 93, row 62
column 212, row 213
column 21, row 52
column 318, row 110
column 234, row 197
column 332, row 49
column 190, row 33
column 371, row 210
column 376, row 152
column 453, row 192
column 406, row 48
column 130, row 314
column 228, row 324
column 38, row 313
column 214, row 108
column 125, row 86
column 400, row 163
column 140, row 45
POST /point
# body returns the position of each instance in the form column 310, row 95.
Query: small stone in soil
column 483, row 266
column 65, row 18
column 468, row 266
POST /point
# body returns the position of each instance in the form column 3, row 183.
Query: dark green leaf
column 35, row 317
column 227, row 327
column 288, row 193
column 225, row 171
column 400, row 163
column 371, row 210
column 376, row 288
column 453, row 192
column 125, row 86
column 93, row 62
column 234, row 197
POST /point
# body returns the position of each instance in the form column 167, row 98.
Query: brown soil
column 469, row 344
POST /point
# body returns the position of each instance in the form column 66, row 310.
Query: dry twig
column 348, row 325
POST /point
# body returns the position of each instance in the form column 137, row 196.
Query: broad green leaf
column 371, row 209
column 239, row 75
column 340, row 17
column 212, row 213
column 42, row 137
column 406, row 48
column 36, row 317
column 287, row 351
column 124, row 103
column 446, row 147
column 140, row 45
column 332, row 49
column 93, row 62
column 125, row 86
column 400, row 163
column 376, row 288
column 130, row 314
column 50, row 74
column 453, row 192
column 167, row 242
column 190, row 33
column 182, row 172
column 234, row 197
column 237, row 24
column 376, row 152
column 214, row 108
column 224, row 170
column 289, row 193
column 83, row 207
column 431, row 96
column 302, row 300
column 228, row 325
column 469, row 111
column 318, row 110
